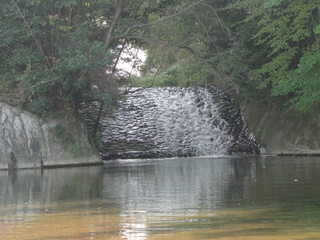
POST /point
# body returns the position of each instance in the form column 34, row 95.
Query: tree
column 57, row 52
column 193, row 48
column 52, row 51
column 290, row 31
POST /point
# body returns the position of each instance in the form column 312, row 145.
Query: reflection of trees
column 285, row 180
column 239, row 183
column 35, row 187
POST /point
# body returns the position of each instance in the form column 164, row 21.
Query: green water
column 183, row 198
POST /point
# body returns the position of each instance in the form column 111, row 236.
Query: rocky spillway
column 171, row 122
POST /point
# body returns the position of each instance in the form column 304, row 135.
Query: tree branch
column 120, row 5
column 161, row 20
column 176, row 48
column 227, row 29
column 31, row 32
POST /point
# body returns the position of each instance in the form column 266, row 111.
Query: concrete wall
column 282, row 130
column 26, row 141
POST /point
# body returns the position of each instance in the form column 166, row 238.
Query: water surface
column 179, row 198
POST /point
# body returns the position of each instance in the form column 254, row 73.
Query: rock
column 29, row 142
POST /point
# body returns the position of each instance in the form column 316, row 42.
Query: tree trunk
column 118, row 58
column 119, row 7
column 96, row 124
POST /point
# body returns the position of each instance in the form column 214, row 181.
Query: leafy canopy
column 290, row 31
column 52, row 51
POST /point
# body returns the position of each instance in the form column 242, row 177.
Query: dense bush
column 55, row 53
column 50, row 56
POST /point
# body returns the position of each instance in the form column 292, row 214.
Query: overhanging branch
column 161, row 20
column 176, row 48
column 31, row 32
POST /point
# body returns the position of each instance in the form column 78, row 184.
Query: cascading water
column 189, row 122
column 168, row 122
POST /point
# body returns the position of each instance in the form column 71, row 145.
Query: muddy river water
column 178, row 198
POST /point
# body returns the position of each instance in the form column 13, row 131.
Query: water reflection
column 185, row 198
column 176, row 185
column 41, row 187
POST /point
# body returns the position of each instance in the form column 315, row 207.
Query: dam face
column 172, row 122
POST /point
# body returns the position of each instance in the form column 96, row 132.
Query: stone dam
column 171, row 122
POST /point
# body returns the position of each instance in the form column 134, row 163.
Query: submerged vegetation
column 54, row 54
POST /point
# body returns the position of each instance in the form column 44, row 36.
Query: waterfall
column 189, row 122
column 169, row 122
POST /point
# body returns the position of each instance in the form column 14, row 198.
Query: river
column 176, row 198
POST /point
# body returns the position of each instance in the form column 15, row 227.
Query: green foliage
column 66, row 138
column 316, row 30
column 170, row 77
column 186, row 47
column 51, row 51
column 271, row 3
column 288, row 30
column 303, row 82
column 108, row 99
column 268, row 48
